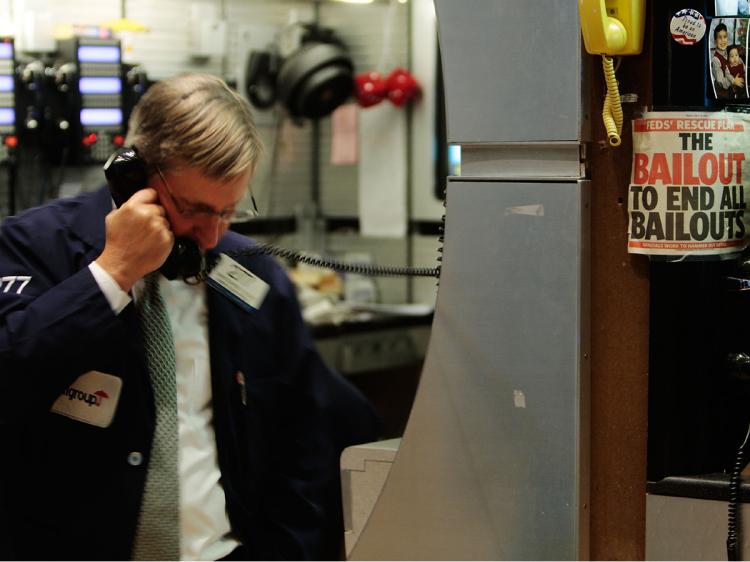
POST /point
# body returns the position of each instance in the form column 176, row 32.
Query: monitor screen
column 6, row 83
column 99, row 85
column 6, row 50
column 99, row 53
column 7, row 116
column 101, row 116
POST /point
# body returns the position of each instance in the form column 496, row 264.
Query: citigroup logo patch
column 92, row 399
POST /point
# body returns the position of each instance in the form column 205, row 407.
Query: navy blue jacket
column 68, row 489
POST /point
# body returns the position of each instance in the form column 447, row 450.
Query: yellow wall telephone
column 612, row 27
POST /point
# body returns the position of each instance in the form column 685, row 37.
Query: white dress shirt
column 204, row 525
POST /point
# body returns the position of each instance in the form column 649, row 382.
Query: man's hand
column 139, row 239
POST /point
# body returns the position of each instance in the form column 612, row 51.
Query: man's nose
column 209, row 233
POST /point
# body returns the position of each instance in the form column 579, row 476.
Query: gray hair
column 195, row 120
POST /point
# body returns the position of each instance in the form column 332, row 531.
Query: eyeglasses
column 225, row 216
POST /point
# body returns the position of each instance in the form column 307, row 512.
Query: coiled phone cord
column 612, row 108
column 360, row 268
column 733, row 542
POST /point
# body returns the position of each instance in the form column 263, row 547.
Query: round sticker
column 687, row 27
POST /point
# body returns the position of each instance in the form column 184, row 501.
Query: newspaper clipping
column 687, row 190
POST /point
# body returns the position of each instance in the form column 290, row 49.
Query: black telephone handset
column 126, row 173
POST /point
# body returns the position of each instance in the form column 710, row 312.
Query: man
column 260, row 421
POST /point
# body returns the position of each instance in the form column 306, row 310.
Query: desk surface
column 372, row 324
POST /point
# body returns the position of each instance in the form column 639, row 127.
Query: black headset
column 311, row 82
column 260, row 78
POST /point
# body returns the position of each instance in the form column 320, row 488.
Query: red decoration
column 402, row 87
column 370, row 88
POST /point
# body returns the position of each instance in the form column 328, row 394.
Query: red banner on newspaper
column 687, row 190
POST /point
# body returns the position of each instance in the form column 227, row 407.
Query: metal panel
column 526, row 160
column 493, row 463
column 680, row 528
column 512, row 70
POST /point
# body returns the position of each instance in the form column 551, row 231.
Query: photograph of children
column 732, row 8
column 736, row 66
column 727, row 40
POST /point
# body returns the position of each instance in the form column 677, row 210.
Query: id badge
column 237, row 283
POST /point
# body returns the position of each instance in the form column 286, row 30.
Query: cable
column 733, row 542
column 360, row 268
column 612, row 109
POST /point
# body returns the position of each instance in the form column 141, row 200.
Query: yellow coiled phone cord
column 612, row 109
